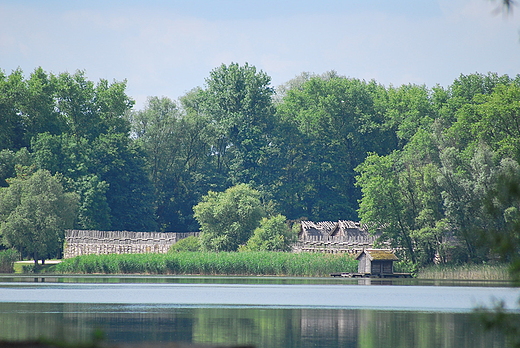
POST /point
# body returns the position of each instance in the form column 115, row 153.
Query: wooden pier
column 370, row 275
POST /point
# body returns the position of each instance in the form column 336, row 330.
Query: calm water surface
column 263, row 311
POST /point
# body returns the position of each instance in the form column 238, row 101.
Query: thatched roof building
column 342, row 229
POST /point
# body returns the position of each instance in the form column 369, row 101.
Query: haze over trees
column 424, row 166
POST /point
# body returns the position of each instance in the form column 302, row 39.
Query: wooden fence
column 84, row 242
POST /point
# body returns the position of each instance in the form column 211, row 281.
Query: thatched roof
column 349, row 228
column 333, row 228
column 379, row 255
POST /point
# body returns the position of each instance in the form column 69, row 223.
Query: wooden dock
column 369, row 275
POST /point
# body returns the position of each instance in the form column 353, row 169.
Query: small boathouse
column 375, row 263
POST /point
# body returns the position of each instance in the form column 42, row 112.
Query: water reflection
column 272, row 327
column 307, row 325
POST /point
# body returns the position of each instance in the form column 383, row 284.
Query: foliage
column 34, row 212
column 273, row 234
column 228, row 218
column 503, row 320
column 190, row 243
column 69, row 125
column 7, row 259
column 176, row 146
column 237, row 102
column 429, row 161
column 210, row 263
column 328, row 124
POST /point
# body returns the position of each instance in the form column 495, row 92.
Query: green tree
column 120, row 162
column 330, row 123
column 12, row 91
column 175, row 143
column 383, row 204
column 9, row 160
column 94, row 211
column 237, row 102
column 408, row 108
column 90, row 110
column 502, row 204
column 273, row 234
column 38, row 109
column 34, row 213
column 228, row 218
column 110, row 175
column 402, row 199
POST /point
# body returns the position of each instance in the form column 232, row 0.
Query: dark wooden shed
column 376, row 261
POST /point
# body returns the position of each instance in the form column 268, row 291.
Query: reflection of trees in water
column 278, row 327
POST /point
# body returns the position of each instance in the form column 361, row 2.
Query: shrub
column 227, row 219
column 273, row 234
column 190, row 243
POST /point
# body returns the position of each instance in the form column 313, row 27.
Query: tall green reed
column 209, row 263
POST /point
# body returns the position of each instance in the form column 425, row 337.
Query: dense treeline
column 426, row 166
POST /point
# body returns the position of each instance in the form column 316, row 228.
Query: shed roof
column 379, row 254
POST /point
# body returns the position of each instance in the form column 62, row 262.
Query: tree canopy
column 419, row 165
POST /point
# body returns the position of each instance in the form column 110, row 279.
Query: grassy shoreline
column 251, row 264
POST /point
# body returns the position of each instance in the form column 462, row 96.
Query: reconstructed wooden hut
column 345, row 229
column 376, row 261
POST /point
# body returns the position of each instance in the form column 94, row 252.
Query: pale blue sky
column 166, row 48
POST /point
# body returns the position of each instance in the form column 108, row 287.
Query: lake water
column 262, row 311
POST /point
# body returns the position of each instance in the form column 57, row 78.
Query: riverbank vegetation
column 211, row 263
column 466, row 272
column 7, row 259
column 434, row 170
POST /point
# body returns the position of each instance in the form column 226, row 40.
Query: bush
column 190, row 243
column 7, row 259
column 272, row 235
column 227, row 219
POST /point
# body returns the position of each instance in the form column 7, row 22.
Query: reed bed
column 466, row 272
column 208, row 263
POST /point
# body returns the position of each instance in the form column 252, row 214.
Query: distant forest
column 425, row 166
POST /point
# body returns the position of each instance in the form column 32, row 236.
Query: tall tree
column 237, row 102
column 175, row 142
column 35, row 211
column 12, row 91
column 121, row 163
column 89, row 109
column 331, row 124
